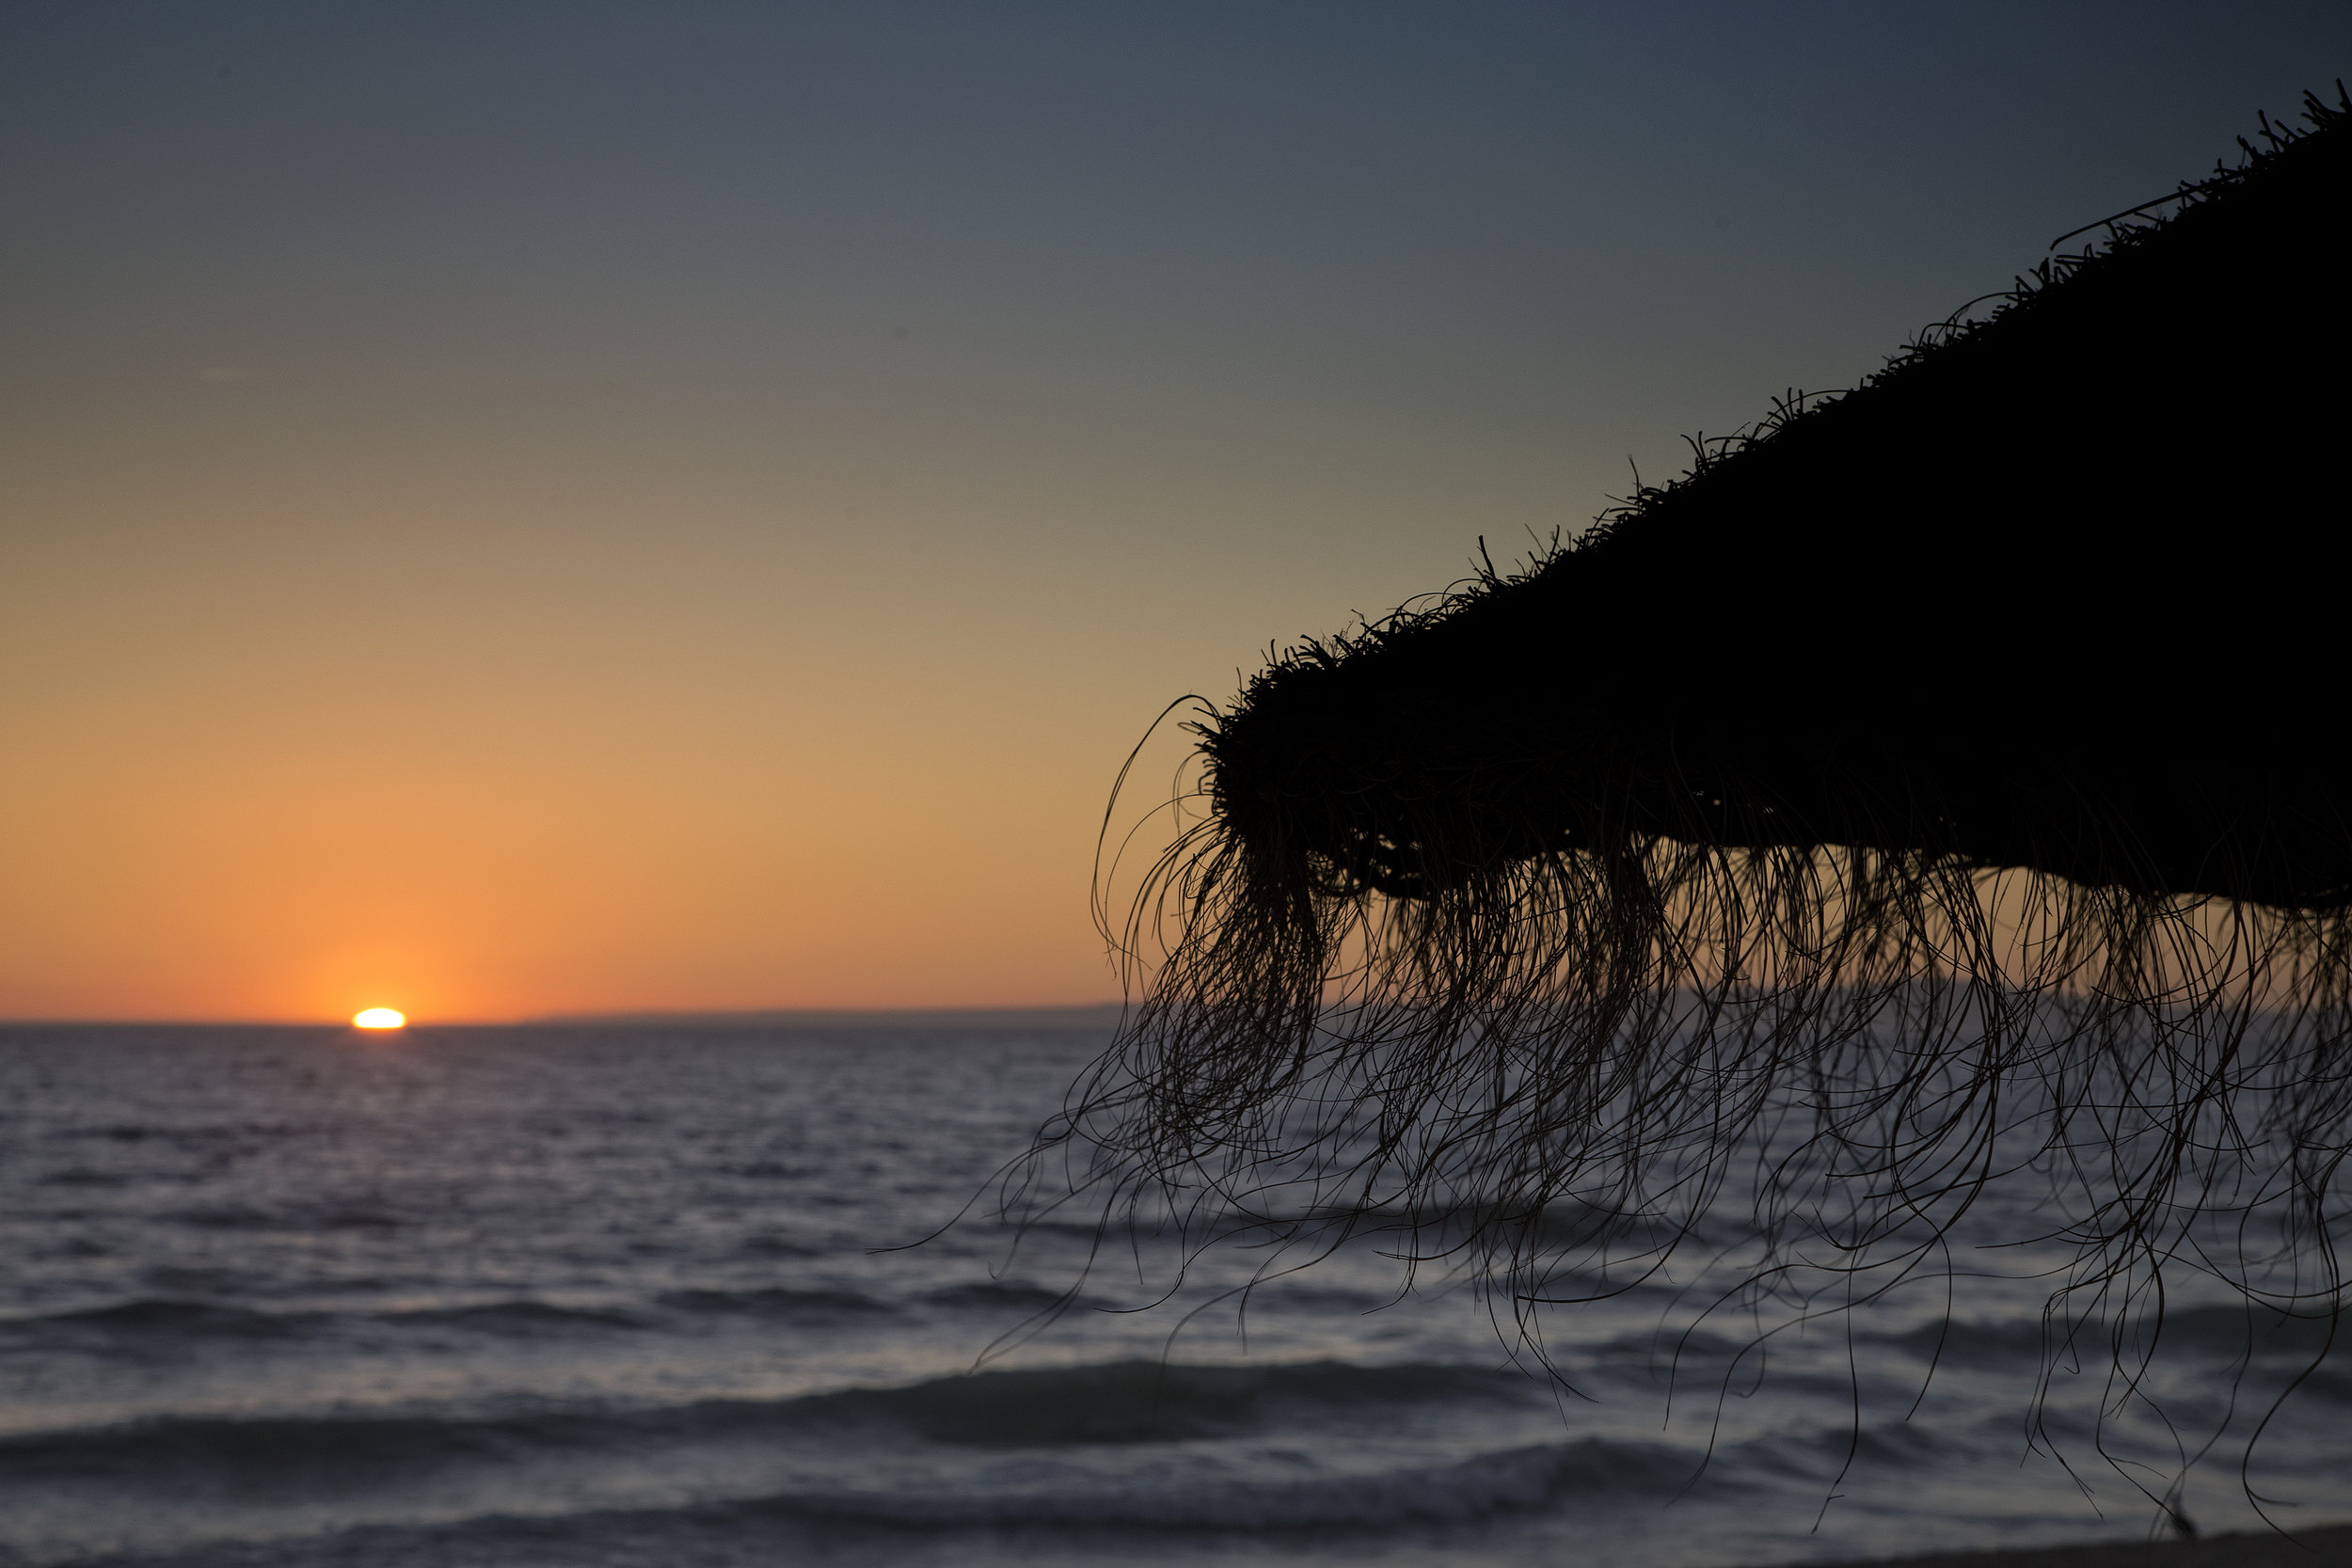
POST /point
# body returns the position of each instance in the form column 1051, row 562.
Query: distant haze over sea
column 1096, row 1015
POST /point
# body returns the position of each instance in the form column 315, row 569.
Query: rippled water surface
column 550, row 1296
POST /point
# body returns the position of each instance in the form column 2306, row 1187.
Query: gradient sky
column 522, row 507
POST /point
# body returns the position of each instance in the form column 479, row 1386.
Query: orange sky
column 515, row 510
column 305, row 715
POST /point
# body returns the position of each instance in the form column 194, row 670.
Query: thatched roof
column 2062, row 587
column 1944, row 784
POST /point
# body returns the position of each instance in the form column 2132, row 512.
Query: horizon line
column 1014, row 1016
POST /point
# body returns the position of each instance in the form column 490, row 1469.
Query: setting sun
column 378, row 1017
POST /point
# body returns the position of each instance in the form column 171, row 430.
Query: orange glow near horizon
column 508, row 889
column 378, row 1017
column 179, row 832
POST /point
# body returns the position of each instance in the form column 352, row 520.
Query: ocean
column 647, row 1294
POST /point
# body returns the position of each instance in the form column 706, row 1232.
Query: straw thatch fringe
column 1779, row 837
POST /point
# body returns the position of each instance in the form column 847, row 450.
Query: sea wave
column 2218, row 1331
column 152, row 1322
column 773, row 1301
column 157, row 1318
column 1146, row 1402
column 1114, row 1517
column 1112, row 1404
column 991, row 1293
column 1506, row 1480
column 156, row 1322
column 521, row 1315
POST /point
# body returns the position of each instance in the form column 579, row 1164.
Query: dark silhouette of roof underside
column 2062, row 588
